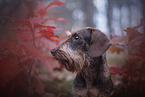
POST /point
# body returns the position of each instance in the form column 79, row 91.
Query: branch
column 33, row 35
column 29, row 78
column 140, row 73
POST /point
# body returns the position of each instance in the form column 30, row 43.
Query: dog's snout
column 53, row 51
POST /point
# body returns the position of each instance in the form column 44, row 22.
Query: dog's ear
column 99, row 43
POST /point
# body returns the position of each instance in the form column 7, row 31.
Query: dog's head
column 83, row 45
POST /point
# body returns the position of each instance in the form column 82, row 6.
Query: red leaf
column 7, row 44
column 41, row 13
column 30, row 50
column 40, row 5
column 136, row 40
column 132, row 33
column 116, row 70
column 139, row 55
column 139, row 44
column 119, row 40
column 44, row 58
column 22, row 29
column 134, row 74
column 54, row 3
column 20, row 22
column 36, row 25
column 48, row 33
column 53, row 40
column 24, row 36
column 9, row 69
column 43, row 10
column 132, row 62
column 35, row 20
column 116, row 49
column 57, row 19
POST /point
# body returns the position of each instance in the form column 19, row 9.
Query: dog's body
column 94, row 82
column 84, row 52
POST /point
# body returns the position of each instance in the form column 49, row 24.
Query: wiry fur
column 96, row 76
column 73, row 60
column 84, row 56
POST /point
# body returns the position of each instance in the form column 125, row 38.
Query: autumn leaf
column 44, row 58
column 9, row 69
column 139, row 48
column 53, row 40
column 31, row 51
column 139, row 55
column 43, row 10
column 19, row 22
column 136, row 40
column 48, row 33
column 7, row 44
column 21, row 29
column 24, row 36
column 58, row 3
column 139, row 44
column 132, row 33
column 41, row 13
column 134, row 74
column 17, row 57
column 56, row 19
column 116, row 70
column 132, row 62
column 116, row 49
column 40, row 5
column 35, row 20
column 119, row 41
column 37, row 25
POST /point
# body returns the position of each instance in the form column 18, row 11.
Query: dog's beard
column 73, row 64
column 66, row 60
column 73, row 61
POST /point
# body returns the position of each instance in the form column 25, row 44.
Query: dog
column 84, row 52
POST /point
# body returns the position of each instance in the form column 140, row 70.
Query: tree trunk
column 88, row 9
column 109, row 16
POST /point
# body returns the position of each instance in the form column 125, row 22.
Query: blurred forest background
column 29, row 29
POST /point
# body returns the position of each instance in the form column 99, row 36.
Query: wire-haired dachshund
column 84, row 52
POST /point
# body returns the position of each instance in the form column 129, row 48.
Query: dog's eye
column 76, row 37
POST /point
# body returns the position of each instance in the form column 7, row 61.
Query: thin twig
column 129, row 59
column 140, row 73
column 12, row 55
column 33, row 35
column 17, row 59
column 29, row 78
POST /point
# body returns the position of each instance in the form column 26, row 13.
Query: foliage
column 20, row 58
column 62, row 87
column 133, row 47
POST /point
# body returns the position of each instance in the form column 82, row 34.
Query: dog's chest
column 92, row 92
column 90, row 78
column 84, row 85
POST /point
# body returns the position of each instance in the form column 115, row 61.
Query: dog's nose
column 53, row 51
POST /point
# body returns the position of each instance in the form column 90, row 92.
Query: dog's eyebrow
column 68, row 33
column 74, row 34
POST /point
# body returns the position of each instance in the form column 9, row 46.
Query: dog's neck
column 97, row 71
